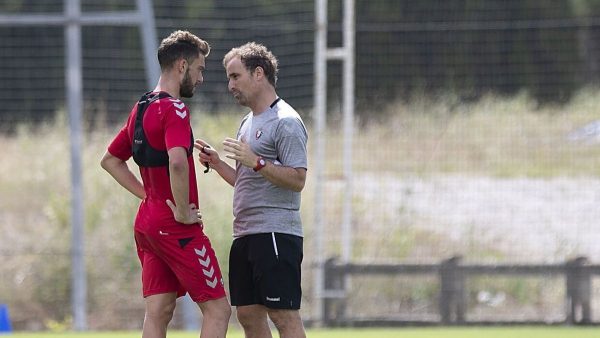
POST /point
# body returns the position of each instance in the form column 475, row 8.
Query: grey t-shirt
column 259, row 206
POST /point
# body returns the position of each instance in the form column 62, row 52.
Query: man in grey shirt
column 270, row 172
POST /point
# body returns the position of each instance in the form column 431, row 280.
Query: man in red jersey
column 176, row 256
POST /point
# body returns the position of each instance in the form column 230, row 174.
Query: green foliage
column 468, row 47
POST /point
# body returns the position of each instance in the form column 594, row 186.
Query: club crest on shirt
column 258, row 134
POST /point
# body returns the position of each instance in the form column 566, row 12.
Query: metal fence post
column 334, row 293
column 452, row 291
column 579, row 291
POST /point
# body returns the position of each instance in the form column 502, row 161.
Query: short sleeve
column 291, row 139
column 120, row 146
column 176, row 124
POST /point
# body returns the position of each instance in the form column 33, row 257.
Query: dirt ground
column 534, row 220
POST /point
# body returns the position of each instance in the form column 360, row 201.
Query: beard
column 241, row 99
column 187, row 86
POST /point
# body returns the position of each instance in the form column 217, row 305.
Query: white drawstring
column 275, row 245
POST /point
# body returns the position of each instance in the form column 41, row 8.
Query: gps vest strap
column 143, row 153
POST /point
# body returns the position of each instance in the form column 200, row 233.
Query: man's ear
column 259, row 72
column 182, row 65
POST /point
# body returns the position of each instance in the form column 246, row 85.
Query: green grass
column 445, row 332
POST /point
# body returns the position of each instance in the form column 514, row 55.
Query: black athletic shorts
column 265, row 269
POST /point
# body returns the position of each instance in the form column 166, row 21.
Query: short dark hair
column 181, row 44
column 254, row 55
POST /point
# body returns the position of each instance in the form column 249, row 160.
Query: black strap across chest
column 143, row 153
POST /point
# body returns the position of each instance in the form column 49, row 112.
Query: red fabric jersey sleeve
column 121, row 144
column 176, row 122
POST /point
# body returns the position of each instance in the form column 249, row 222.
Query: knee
column 244, row 317
column 279, row 322
column 248, row 318
column 218, row 310
column 286, row 321
column 223, row 313
column 162, row 314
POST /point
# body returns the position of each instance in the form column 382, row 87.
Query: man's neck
column 168, row 85
column 264, row 102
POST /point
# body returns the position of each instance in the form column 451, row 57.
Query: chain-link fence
column 474, row 137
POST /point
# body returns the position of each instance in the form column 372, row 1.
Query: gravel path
column 528, row 219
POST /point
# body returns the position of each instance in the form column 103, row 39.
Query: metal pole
column 149, row 41
column 320, row 97
column 348, row 125
column 75, row 106
column 72, row 21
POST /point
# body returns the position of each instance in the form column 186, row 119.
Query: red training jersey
column 166, row 124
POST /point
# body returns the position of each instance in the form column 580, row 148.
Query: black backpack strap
column 145, row 101
column 143, row 154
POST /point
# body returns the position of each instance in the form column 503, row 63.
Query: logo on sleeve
column 181, row 113
column 179, row 108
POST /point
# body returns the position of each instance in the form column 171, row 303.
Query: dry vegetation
column 494, row 137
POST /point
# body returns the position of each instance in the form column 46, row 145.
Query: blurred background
column 475, row 136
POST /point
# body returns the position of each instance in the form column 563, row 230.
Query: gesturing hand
column 190, row 216
column 240, row 151
column 207, row 155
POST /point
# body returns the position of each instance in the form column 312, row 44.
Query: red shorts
column 179, row 265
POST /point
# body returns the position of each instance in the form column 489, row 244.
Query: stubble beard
column 187, row 86
column 241, row 99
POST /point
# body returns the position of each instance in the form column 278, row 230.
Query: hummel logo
column 210, row 273
column 163, row 233
column 179, row 106
column 205, row 263
column 174, row 100
column 273, row 299
column 212, row 283
column 202, row 252
column 181, row 114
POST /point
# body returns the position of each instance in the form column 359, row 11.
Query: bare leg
column 216, row 318
column 288, row 323
column 159, row 312
column 254, row 321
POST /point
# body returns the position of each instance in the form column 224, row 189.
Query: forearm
column 179, row 178
column 119, row 170
column 284, row 177
column 225, row 171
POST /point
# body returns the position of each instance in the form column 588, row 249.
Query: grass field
column 445, row 332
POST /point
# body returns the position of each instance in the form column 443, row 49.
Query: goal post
column 72, row 19
column 345, row 54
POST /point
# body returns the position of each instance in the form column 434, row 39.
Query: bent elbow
column 300, row 180
column 105, row 161
column 298, row 186
column 178, row 161
column 177, row 165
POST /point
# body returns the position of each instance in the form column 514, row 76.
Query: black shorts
column 265, row 269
